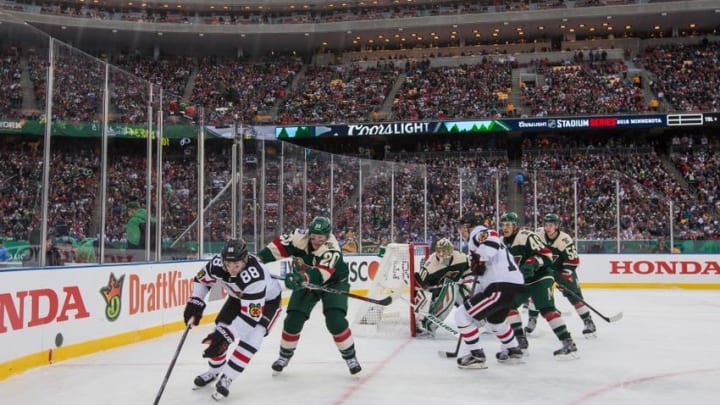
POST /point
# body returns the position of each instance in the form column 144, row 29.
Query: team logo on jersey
column 255, row 310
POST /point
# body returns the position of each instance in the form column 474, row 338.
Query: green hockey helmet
column 320, row 226
column 510, row 217
column 552, row 219
column 235, row 250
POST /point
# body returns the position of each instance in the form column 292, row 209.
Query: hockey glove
column 193, row 309
column 531, row 265
column 219, row 340
column 477, row 266
column 299, row 264
column 294, row 280
column 567, row 274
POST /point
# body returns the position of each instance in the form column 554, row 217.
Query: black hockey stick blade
column 615, row 317
column 447, row 355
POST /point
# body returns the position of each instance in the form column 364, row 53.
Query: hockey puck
column 58, row 340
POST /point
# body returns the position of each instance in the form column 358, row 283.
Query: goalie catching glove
column 219, row 340
column 193, row 310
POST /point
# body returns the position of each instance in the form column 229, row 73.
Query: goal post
column 395, row 278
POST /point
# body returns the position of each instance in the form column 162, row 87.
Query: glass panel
column 179, row 178
column 77, row 94
column 345, row 195
column 130, row 174
column 294, row 186
column 376, row 209
column 408, row 201
column 22, row 111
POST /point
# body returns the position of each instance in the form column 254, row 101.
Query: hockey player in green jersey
column 317, row 259
column 565, row 263
column 438, row 291
column 534, row 259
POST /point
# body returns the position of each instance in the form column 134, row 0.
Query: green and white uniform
column 326, row 267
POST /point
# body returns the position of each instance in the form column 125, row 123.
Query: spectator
column 4, row 255
column 135, row 228
column 519, row 180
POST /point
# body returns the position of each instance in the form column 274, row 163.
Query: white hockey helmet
column 477, row 236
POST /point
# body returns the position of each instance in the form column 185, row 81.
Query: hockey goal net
column 395, row 278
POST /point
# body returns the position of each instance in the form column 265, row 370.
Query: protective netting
column 394, row 278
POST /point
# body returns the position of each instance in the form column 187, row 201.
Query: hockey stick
column 432, row 318
column 607, row 319
column 384, row 302
column 172, row 363
column 452, row 355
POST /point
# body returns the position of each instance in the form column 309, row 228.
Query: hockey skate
column 222, row 388
column 589, row 330
column 531, row 325
column 353, row 365
column 475, row 359
column 568, row 351
column 522, row 343
column 280, row 364
column 511, row 355
column 205, row 378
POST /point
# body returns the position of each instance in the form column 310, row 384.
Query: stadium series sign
column 482, row 126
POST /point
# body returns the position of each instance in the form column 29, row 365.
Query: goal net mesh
column 394, row 278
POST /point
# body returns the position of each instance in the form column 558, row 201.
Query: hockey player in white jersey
column 252, row 305
column 498, row 281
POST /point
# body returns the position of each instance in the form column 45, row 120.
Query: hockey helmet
column 471, row 219
column 510, row 217
column 552, row 219
column 477, row 236
column 320, row 226
column 444, row 248
column 235, row 250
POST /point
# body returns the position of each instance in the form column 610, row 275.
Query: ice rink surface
column 665, row 350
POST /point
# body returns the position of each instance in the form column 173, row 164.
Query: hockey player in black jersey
column 252, row 305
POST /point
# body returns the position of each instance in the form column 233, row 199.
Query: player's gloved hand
column 567, row 274
column 193, row 309
column 477, row 266
column 299, row 264
column 219, row 340
column 294, row 280
column 531, row 265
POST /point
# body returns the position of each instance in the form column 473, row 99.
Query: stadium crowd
column 682, row 177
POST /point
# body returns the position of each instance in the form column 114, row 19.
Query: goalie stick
column 454, row 354
column 607, row 319
column 432, row 318
column 383, row 301
column 172, row 363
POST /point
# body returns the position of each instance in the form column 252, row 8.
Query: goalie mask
column 444, row 249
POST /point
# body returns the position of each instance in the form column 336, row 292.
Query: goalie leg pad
column 445, row 300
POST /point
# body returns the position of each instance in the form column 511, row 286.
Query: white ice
column 665, row 350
